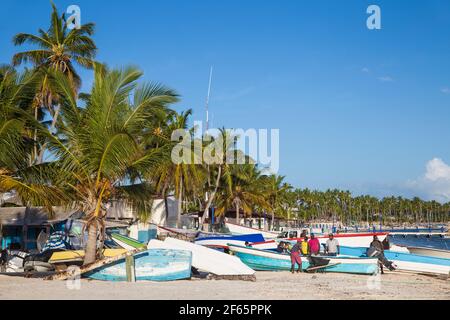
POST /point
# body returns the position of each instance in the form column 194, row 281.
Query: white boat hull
column 445, row 254
column 240, row 230
column 354, row 241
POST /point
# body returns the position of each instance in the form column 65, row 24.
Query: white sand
column 269, row 286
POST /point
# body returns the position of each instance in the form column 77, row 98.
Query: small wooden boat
column 127, row 243
column 241, row 230
column 206, row 259
column 263, row 260
column 430, row 252
column 150, row 265
column 222, row 242
column 406, row 261
column 64, row 257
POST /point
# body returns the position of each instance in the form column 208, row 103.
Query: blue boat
column 263, row 260
column 151, row 265
column 406, row 261
column 221, row 242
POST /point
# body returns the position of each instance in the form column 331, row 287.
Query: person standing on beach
column 377, row 250
column 314, row 245
column 332, row 247
column 305, row 246
column 296, row 258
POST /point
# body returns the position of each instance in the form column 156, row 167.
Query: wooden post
column 131, row 272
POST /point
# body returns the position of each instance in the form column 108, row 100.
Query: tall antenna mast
column 207, row 99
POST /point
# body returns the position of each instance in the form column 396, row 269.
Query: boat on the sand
column 263, row 260
column 206, row 259
column 236, row 229
column 406, row 261
column 221, row 242
column 354, row 240
column 150, row 265
column 430, row 252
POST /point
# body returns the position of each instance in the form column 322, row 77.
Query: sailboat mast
column 207, row 98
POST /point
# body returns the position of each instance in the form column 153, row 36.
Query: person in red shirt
column 314, row 245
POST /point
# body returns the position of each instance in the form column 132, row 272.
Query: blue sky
column 357, row 109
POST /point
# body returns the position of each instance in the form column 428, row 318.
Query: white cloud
column 445, row 90
column 385, row 79
column 365, row 70
column 435, row 183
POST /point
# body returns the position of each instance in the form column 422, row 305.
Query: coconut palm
column 56, row 49
column 274, row 188
column 31, row 183
column 242, row 191
column 180, row 177
column 99, row 149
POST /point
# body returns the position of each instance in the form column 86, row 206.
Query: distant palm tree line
column 61, row 147
column 341, row 206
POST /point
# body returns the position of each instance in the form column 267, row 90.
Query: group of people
column 310, row 247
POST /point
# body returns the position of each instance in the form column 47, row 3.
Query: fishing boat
column 151, row 265
column 430, row 252
column 222, row 242
column 241, row 230
column 127, row 243
column 354, row 240
column 406, row 261
column 262, row 260
column 206, row 259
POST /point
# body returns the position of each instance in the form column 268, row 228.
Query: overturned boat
column 150, row 265
column 206, row 259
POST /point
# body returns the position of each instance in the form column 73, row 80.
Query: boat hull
column 127, row 243
column 261, row 260
column 223, row 241
column 354, row 240
column 444, row 254
column 206, row 259
column 407, row 262
column 241, row 230
column 151, row 265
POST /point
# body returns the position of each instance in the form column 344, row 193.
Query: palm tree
column 275, row 187
column 181, row 177
column 100, row 152
column 218, row 164
column 31, row 183
column 57, row 49
column 241, row 191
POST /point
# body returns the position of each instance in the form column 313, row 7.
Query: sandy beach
column 269, row 286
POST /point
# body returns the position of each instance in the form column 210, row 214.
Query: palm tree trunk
column 52, row 129
column 35, row 138
column 91, row 246
column 180, row 202
column 213, row 195
column 238, row 209
column 273, row 222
